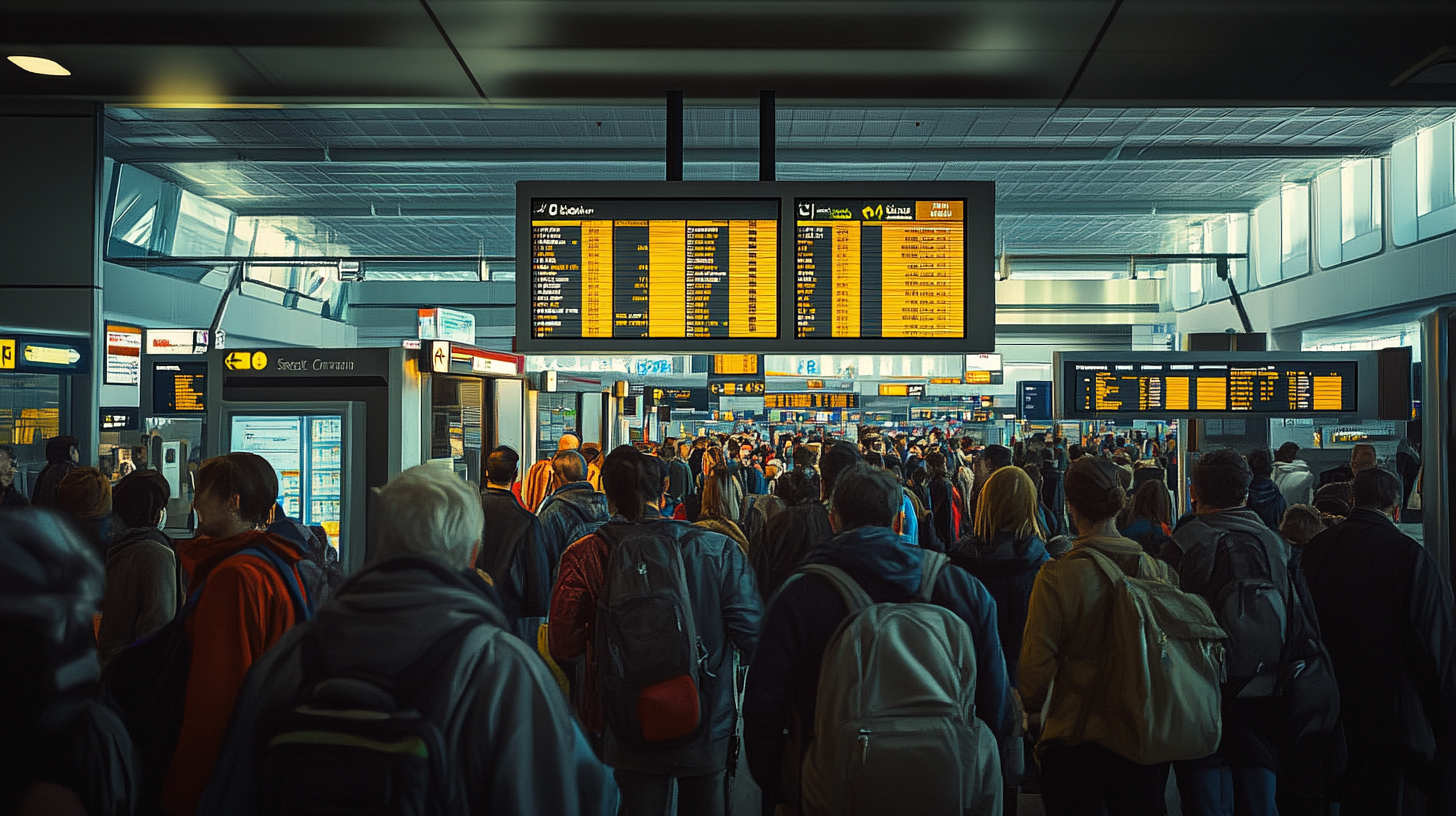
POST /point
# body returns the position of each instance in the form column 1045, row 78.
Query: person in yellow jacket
column 539, row 481
column 1065, row 641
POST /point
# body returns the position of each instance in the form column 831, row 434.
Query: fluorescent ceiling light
column 39, row 65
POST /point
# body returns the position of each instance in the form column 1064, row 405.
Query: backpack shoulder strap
column 302, row 607
column 854, row 596
column 929, row 571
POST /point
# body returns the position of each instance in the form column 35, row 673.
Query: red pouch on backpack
column 669, row 709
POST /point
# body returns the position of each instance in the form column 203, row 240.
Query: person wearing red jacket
column 244, row 608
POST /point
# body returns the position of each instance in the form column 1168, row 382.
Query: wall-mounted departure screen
column 879, row 268
column 1269, row 387
column 691, row 269
column 812, row 400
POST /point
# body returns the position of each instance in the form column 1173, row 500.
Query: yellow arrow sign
column 238, row 361
column 7, row 354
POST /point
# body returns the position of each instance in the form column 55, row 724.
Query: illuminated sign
column 123, row 355
column 736, row 388
column 901, row 390
column 120, row 419
column 812, row 400
column 735, row 364
column 179, row 388
column 983, row 369
column 1270, row 387
column 177, row 341
column 1035, row 399
column 44, row 354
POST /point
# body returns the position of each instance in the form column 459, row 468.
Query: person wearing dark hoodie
column 573, row 510
column 244, row 606
column 1265, row 498
column 1053, row 493
column 511, row 550
column 1005, row 550
column 62, row 454
column 783, row 684
column 144, row 588
column 795, row 532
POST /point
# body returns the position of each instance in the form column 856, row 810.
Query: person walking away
column 1292, row 476
column 573, row 511
column 1004, row 551
column 1265, row 498
column 1148, row 519
column 679, row 476
column 1053, row 494
column 715, row 466
column 687, row 604
column 512, row 552
column 1227, row 555
column 712, row 515
column 1386, row 615
column 749, row 476
column 798, row 688
column 540, row 478
column 10, row 495
column 592, row 453
column 144, row 588
column 84, row 495
column 416, row 647
column 62, row 455
column 1093, row 747
column 805, row 525
column 243, row 604
column 942, row 499
column 62, row 750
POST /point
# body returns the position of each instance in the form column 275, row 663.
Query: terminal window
column 879, row 268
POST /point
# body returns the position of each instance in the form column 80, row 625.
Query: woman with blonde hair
column 715, row 468
column 1006, row 548
column 713, row 515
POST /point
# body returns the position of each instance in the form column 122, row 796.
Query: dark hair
column 874, row 459
column 1094, row 489
column 139, row 497
column 569, row 465
column 246, row 475
column 834, row 460
column 866, row 497
column 630, row 480
column 935, row 460
column 1261, row 462
column 502, row 465
column 1074, row 452
column 1376, row 488
column 1150, row 501
column 1034, row 473
column 1221, row 479
column 1286, row 452
column 798, row 486
column 9, row 450
column 1300, row 524
column 996, row 457
column 58, row 448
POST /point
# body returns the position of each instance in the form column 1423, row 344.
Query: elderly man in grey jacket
column 417, row 631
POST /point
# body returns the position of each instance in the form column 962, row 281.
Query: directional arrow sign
column 7, row 354
column 238, row 361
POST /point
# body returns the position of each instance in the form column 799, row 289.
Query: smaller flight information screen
column 812, row 400
column 689, row 269
column 1270, row 388
column 879, row 268
column 179, row 388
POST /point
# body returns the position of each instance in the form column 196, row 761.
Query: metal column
column 1437, row 444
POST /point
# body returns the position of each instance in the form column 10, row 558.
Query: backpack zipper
column 864, row 745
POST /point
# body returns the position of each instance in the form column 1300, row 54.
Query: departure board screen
column 688, row 269
column 179, row 388
column 812, row 400
column 879, row 268
column 1265, row 387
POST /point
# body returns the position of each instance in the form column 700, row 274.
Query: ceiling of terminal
column 440, row 181
column 960, row 52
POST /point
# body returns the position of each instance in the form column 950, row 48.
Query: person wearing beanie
column 62, row 454
column 84, row 494
column 144, row 586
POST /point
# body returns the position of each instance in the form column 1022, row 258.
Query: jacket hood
column 1263, row 491
column 1002, row 550
column 1285, row 468
column 873, row 555
column 388, row 617
column 1240, row 520
column 201, row 554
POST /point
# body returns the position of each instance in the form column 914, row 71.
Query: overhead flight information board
column 877, row 268
column 1269, row 387
column 812, row 400
column 688, row 269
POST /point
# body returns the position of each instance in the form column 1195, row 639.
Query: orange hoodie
column 243, row 611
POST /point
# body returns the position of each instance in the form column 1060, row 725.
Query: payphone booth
column 45, row 382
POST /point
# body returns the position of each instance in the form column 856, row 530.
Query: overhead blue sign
column 1035, row 399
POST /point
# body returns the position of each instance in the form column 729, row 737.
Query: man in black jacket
column 1387, row 619
column 1264, row 496
column 512, row 552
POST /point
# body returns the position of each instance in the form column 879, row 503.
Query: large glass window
column 1224, row 234
column 1423, row 184
column 30, row 413
column 1350, row 212
column 1280, row 233
column 202, row 227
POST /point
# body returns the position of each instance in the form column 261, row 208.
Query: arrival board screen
column 1274, row 388
column 879, row 268
column 684, row 269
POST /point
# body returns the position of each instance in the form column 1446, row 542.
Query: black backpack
column 146, row 684
column 360, row 745
column 1252, row 606
column 648, row 651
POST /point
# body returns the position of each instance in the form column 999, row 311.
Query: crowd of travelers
column 906, row 624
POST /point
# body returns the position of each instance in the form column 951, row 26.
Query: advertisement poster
column 123, row 355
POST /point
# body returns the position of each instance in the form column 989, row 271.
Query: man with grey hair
column 573, row 511
column 418, row 630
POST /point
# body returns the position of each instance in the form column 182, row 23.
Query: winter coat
column 725, row 527
column 726, row 611
column 1054, row 500
column 243, row 610
column 1387, row 618
column 509, row 736
column 731, row 491
column 1251, row 726
column 789, row 537
column 1007, row 566
column 48, row 483
column 783, row 683
column 144, row 590
column 1295, row 482
column 563, row 515
column 1266, row 501
column 1150, row 535
column 942, row 497
column 512, row 554
column 537, row 485
column 1065, row 641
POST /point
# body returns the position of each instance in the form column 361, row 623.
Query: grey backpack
column 895, row 726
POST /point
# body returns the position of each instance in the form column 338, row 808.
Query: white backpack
column 895, row 726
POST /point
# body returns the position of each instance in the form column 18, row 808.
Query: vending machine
column 307, row 452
